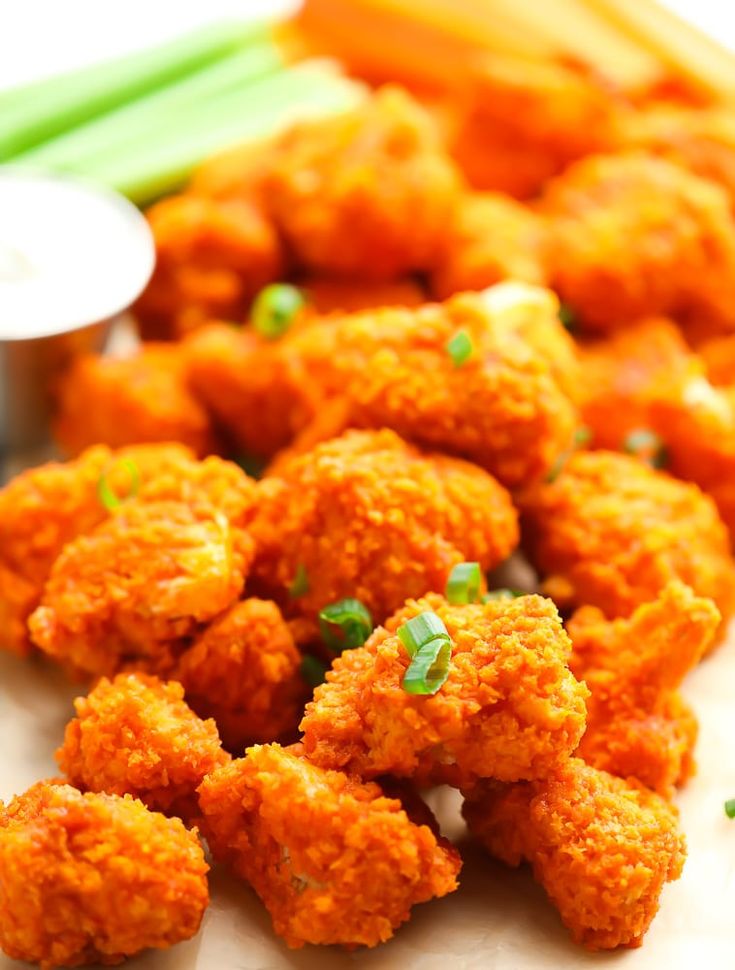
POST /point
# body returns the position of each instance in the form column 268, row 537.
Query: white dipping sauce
column 71, row 254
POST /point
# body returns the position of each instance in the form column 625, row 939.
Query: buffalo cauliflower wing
column 610, row 531
column 333, row 860
column 603, row 848
column 88, row 879
column 368, row 192
column 130, row 591
column 638, row 725
column 128, row 400
column 243, row 671
column 134, row 735
column 509, row 709
column 212, row 257
column 368, row 516
column 638, row 236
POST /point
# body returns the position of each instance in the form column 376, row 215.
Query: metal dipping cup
column 73, row 257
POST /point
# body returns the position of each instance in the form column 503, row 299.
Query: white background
column 40, row 37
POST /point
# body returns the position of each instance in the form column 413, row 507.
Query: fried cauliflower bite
column 333, row 860
column 623, row 373
column 638, row 725
column 718, row 355
column 243, row 671
column 129, row 592
column 370, row 517
column 44, row 508
column 509, row 709
column 699, row 139
column 527, row 119
column 368, row 193
column 213, row 255
column 121, row 401
column 611, row 532
column 88, row 879
column 647, row 378
column 259, row 392
column 637, row 236
column 502, row 408
column 135, row 736
column 602, row 847
column 492, row 238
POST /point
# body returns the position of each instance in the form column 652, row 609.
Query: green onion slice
column 730, row 808
column 428, row 644
column 313, row 671
column 345, row 625
column 463, row 585
column 459, row 347
column 568, row 317
column 502, row 594
column 105, row 492
column 648, row 446
column 275, row 308
column 300, row 583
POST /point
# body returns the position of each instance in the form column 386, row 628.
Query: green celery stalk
column 132, row 124
column 38, row 111
column 163, row 164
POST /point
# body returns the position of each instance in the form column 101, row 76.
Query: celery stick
column 133, row 123
column 264, row 109
column 38, row 111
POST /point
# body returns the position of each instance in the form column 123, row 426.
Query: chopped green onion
column 459, row 347
column 275, row 308
column 648, row 446
column 417, row 631
column 463, row 585
column 428, row 644
column 502, row 594
column 345, row 625
column 313, row 671
column 568, row 317
column 105, row 492
column 300, row 584
column 730, row 808
column 582, row 437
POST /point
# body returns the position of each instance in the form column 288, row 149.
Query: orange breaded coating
column 509, row 709
column 134, row 735
column 492, row 238
column 88, row 879
column 243, row 671
column 120, row 401
column 130, row 591
column 213, row 255
column 332, row 294
column 366, row 193
column 46, row 507
column 527, row 119
column 638, row 725
column 637, row 236
column 333, row 860
column 646, row 377
column 259, row 392
column 699, row 139
column 602, row 847
column 370, row 517
column 718, row 355
column 502, row 408
column 621, row 374
column 610, row 531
